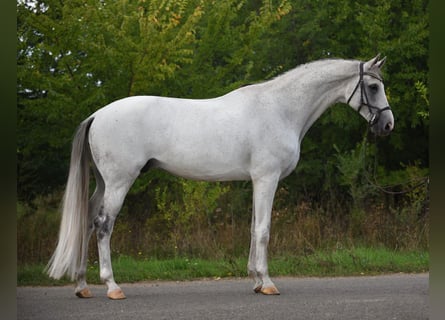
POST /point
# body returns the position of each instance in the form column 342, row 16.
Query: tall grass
column 358, row 261
column 223, row 233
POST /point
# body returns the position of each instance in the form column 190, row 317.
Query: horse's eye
column 374, row 88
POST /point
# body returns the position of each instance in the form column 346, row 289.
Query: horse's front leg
column 251, row 266
column 263, row 194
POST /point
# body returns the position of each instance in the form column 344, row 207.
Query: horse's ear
column 380, row 63
column 375, row 62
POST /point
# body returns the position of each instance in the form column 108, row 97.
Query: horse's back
column 200, row 139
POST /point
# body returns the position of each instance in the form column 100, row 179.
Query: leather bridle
column 364, row 101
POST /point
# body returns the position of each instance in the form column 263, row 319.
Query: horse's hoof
column 84, row 293
column 270, row 291
column 116, row 295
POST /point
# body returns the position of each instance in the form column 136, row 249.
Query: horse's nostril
column 388, row 126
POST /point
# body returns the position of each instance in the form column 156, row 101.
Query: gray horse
column 252, row 133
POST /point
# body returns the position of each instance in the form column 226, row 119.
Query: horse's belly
column 205, row 170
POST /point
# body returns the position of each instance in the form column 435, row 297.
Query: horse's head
column 369, row 99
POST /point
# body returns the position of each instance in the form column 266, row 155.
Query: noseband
column 364, row 101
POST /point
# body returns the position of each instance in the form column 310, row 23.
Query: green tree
column 225, row 57
column 361, row 29
column 74, row 57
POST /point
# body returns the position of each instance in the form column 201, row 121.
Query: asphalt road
column 388, row 297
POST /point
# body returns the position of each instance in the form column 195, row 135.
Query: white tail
column 73, row 227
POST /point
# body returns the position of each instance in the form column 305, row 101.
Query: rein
column 364, row 101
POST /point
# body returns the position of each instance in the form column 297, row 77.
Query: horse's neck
column 308, row 91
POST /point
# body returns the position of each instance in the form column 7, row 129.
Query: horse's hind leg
column 104, row 223
column 82, row 290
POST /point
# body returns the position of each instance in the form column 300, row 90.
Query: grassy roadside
column 358, row 261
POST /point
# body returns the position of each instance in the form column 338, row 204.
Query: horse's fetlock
column 105, row 275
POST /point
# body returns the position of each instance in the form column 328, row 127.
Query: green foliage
column 185, row 216
column 75, row 57
column 352, row 169
column 225, row 57
column 422, row 90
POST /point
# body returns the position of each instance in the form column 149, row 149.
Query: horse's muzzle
column 384, row 125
